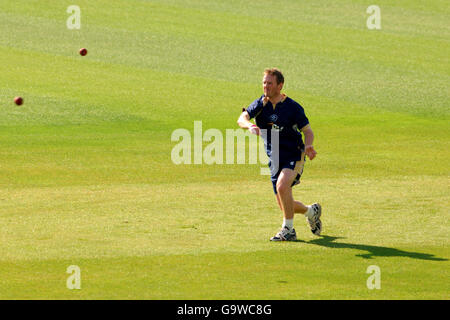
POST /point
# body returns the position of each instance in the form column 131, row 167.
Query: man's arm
column 244, row 123
column 309, row 139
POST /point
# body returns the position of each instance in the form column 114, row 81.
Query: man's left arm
column 309, row 139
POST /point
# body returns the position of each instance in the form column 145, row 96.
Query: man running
column 283, row 120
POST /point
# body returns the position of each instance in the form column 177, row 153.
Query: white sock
column 310, row 212
column 289, row 223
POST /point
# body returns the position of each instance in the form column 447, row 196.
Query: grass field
column 86, row 176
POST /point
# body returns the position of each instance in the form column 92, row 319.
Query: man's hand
column 244, row 123
column 310, row 152
column 254, row 129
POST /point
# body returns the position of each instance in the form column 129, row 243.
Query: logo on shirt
column 273, row 118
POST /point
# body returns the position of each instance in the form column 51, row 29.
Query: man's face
column 270, row 86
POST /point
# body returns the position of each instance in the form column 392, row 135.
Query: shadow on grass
column 373, row 251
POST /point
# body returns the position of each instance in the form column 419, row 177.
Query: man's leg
column 284, row 192
column 283, row 187
column 299, row 207
column 286, row 202
column 289, row 206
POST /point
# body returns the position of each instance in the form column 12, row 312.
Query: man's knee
column 283, row 187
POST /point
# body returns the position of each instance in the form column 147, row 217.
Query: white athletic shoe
column 285, row 235
column 314, row 222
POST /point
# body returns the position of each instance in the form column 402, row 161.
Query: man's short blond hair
column 276, row 73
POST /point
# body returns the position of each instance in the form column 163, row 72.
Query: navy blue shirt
column 287, row 118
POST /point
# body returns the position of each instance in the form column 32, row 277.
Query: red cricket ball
column 18, row 101
column 83, row 51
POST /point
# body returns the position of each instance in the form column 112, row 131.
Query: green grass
column 86, row 176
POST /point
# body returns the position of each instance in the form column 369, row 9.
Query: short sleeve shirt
column 282, row 122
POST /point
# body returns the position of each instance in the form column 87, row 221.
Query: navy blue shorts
column 296, row 165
